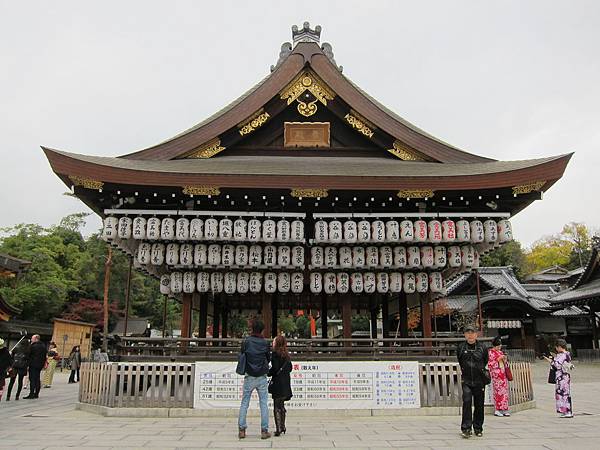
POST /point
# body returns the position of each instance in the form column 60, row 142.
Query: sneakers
column 566, row 416
column 506, row 414
column 478, row 433
column 498, row 413
column 466, row 434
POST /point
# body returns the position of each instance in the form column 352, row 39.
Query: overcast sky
column 505, row 79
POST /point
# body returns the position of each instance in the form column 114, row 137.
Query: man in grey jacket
column 258, row 355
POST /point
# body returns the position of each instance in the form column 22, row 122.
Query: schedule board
column 319, row 385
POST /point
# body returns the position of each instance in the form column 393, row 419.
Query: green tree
column 509, row 254
column 581, row 238
column 361, row 323
column 286, row 324
column 303, row 327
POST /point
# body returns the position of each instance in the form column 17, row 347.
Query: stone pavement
column 52, row 422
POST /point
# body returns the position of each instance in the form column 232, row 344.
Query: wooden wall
column 77, row 334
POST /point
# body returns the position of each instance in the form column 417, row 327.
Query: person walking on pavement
column 20, row 356
column 51, row 361
column 74, row 363
column 280, row 385
column 473, row 358
column 37, row 360
column 256, row 349
column 5, row 363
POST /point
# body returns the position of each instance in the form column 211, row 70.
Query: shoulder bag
column 241, row 364
column 508, row 372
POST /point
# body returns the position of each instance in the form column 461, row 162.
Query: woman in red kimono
column 497, row 366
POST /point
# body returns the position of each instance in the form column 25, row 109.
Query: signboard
column 319, row 385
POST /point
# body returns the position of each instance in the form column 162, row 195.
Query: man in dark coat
column 37, row 359
column 473, row 358
column 5, row 363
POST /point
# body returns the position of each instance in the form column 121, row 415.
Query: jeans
column 34, row 381
column 261, row 386
column 472, row 395
column 72, row 376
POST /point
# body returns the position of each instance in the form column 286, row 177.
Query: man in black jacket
column 473, row 358
column 258, row 355
column 37, row 359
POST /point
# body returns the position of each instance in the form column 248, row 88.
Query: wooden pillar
column 426, row 315
column 217, row 316
column 347, row 316
column 164, row 330
column 127, row 294
column 374, row 313
column 385, row 316
column 324, row 330
column 403, row 314
column 595, row 343
column 203, row 316
column 274, row 315
column 186, row 315
column 267, row 313
column 224, row 320
column 107, row 266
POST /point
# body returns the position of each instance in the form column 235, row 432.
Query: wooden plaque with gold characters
column 306, row 134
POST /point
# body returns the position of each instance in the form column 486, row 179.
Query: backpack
column 20, row 361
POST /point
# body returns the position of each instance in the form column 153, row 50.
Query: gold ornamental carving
column 529, row 187
column 254, row 123
column 201, row 190
column 404, row 152
column 307, row 82
column 359, row 124
column 87, row 183
column 207, row 150
column 416, row 193
column 309, row 193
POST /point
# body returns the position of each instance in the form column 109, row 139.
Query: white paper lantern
column 270, row 255
column 345, row 256
column 422, row 282
column 196, row 229
column 321, row 231
column 505, row 233
column 386, row 256
column 413, row 257
column 200, row 254
column 477, row 231
column 186, row 254
column 356, row 283
column 350, row 231
column 157, row 257
column 225, row 230
column 370, row 282
column 434, row 231
column 153, row 228
column 167, row 229
column 172, row 254
column 358, row 257
column 372, row 256
column 316, row 282
column 410, row 283
column 454, row 256
column 439, row 256
column 436, row 282
column 283, row 230
column 317, row 256
column 467, row 253
column 243, row 282
column 342, row 283
column 298, row 256
column 125, row 224
column 255, row 255
column 144, row 253
column 490, row 231
column 139, row 229
column 420, row 231
column 330, row 256
column 427, row 256
column 268, row 233
column 176, row 282
column 189, row 282
column 211, row 229
column 254, row 230
column 400, row 258
column 240, row 230
column 111, row 228
column 448, row 231
column 241, row 255
column 283, row 256
column 297, row 282
column 392, row 231
column 407, row 231
column 378, row 231
column 216, row 281
column 182, row 229
column 255, row 282
column 335, row 231
column 364, row 231
column 230, row 283
column 283, row 282
column 227, row 255
column 165, row 284
column 203, row 282
column 214, row 255
column 463, row 231
column 297, row 231
column 395, row 282
column 383, row 283
column 329, row 283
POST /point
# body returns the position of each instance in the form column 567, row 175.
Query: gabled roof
column 7, row 310
column 10, row 265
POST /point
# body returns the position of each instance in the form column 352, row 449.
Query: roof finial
column 306, row 34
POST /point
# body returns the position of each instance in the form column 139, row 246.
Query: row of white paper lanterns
column 220, row 255
column 284, row 282
column 184, row 229
column 433, row 231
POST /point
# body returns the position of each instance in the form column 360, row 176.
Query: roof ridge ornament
column 306, row 34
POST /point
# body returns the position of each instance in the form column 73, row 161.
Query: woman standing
column 280, row 385
column 75, row 363
column 497, row 366
column 561, row 364
column 51, row 361
column 20, row 363
column 5, row 363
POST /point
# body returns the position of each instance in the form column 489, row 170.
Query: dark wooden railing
column 588, row 355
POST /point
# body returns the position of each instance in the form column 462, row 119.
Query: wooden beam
column 346, row 301
column 267, row 313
